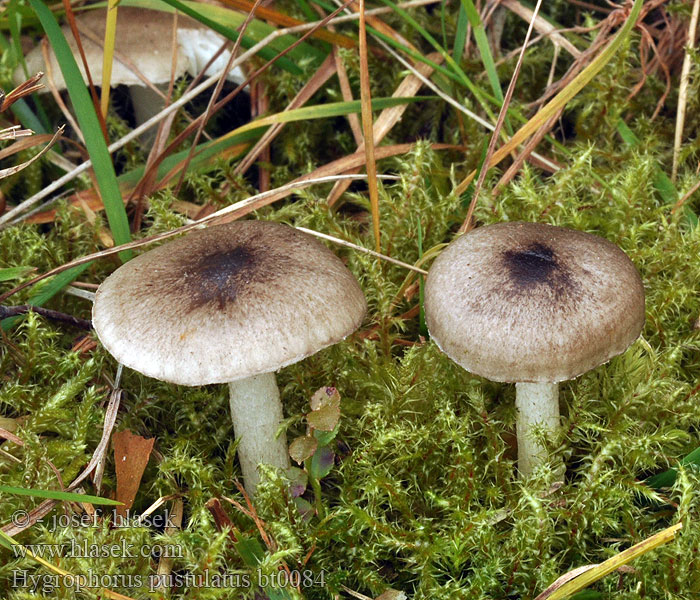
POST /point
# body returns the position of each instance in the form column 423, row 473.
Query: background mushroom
column 533, row 304
column 143, row 43
column 231, row 304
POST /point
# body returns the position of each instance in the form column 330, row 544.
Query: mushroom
column 533, row 304
column 231, row 304
column 144, row 39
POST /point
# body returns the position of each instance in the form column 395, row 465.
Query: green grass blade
column 203, row 153
column 460, row 35
column 58, row 495
column 668, row 477
column 331, row 109
column 473, row 88
column 47, row 292
column 90, row 126
column 484, row 49
column 14, row 272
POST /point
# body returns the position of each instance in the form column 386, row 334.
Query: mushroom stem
column 147, row 104
column 538, row 407
column 256, row 412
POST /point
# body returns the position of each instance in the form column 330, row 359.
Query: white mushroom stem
column 256, row 412
column 538, row 408
column 147, row 104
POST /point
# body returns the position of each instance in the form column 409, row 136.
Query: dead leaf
column 131, row 454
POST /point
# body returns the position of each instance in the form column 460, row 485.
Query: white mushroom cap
column 227, row 302
column 528, row 302
column 145, row 38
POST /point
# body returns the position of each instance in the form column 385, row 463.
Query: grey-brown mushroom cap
column 227, row 302
column 528, row 302
column 144, row 36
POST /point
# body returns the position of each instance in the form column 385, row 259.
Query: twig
column 13, row 311
column 217, row 92
column 688, row 194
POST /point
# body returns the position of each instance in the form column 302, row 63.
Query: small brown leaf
column 131, row 454
column 302, row 448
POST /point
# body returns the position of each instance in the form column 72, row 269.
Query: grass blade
column 321, row 111
column 668, row 477
column 596, row 572
column 58, row 495
column 563, row 97
column 108, row 56
column 367, row 130
column 484, row 49
column 90, row 126
column 48, row 291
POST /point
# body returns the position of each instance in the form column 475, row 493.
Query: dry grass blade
column 683, row 90
column 218, row 105
column 527, row 151
column 322, row 74
column 390, row 116
column 13, row 133
column 46, row 507
column 499, row 124
column 12, row 170
column 13, row 215
column 224, row 215
column 366, row 101
column 346, row 90
column 683, row 199
column 23, row 89
column 281, row 19
column 340, row 242
column 541, row 25
column 563, row 97
column 70, row 16
column 566, row 585
column 56, row 95
column 217, row 92
column 108, row 54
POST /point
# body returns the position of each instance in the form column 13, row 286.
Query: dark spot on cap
column 218, row 277
column 537, row 266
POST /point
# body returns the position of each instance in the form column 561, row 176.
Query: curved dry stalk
column 12, row 216
column 217, row 217
column 12, row 170
column 466, row 226
column 683, row 90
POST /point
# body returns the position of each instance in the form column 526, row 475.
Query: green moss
column 423, row 496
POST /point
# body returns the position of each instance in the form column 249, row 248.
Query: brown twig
column 54, row 315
